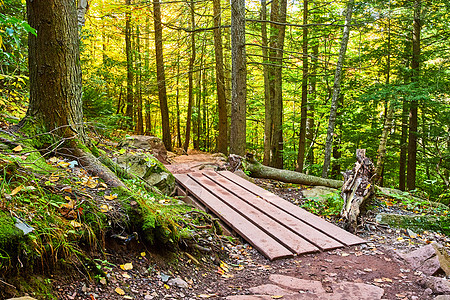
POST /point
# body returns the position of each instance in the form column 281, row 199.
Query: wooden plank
column 319, row 239
column 268, row 246
column 272, row 227
column 332, row 230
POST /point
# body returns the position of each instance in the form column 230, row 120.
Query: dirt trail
column 194, row 161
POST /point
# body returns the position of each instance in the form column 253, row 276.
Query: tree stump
column 357, row 189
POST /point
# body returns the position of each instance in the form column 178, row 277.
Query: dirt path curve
column 194, row 161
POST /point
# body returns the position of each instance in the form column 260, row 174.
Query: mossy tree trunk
column 55, row 73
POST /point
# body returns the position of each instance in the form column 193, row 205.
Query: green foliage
column 330, row 206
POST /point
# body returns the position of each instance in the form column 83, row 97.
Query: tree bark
column 403, row 147
column 258, row 170
column 304, row 105
column 239, row 80
column 139, row 119
column 177, row 101
column 55, row 73
column 222, row 138
column 128, row 51
column 190, row 81
column 161, row 77
column 268, row 122
column 415, row 65
column 357, row 188
column 337, row 89
column 310, row 111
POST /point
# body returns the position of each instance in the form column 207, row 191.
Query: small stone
column 164, row 277
column 411, row 233
column 428, row 291
column 178, row 282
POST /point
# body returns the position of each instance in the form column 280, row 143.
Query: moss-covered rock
column 150, row 169
column 10, row 238
column 416, row 222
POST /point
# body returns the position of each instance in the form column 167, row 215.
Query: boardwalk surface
column 274, row 226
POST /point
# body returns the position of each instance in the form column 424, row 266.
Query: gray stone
column 249, row 297
column 22, row 298
column 417, row 257
column 437, row 285
column 150, row 143
column 442, row 297
column 271, row 289
column 297, row 284
column 320, row 193
column 150, row 169
column 178, row 282
column 352, row 290
column 430, row 266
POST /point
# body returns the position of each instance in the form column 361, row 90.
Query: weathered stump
column 357, row 188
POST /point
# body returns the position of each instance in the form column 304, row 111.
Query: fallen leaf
column 143, row 254
column 103, row 281
column 127, row 297
column 385, row 279
column 110, row 197
column 75, row 224
column 368, row 270
column 379, row 280
column 119, row 291
column 400, row 238
column 127, row 266
column 344, row 254
column 277, row 297
column 166, row 286
column 16, row 190
column 18, row 149
column 63, row 164
column 53, row 159
column 104, row 208
column 126, row 275
column 53, row 178
column 204, row 296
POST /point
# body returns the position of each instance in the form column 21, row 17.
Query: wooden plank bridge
column 274, row 226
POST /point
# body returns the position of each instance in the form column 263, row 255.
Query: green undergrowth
column 329, row 205
column 71, row 214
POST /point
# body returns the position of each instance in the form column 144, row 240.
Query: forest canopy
column 392, row 98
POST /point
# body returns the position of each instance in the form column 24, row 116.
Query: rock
column 443, row 258
column 442, row 297
column 150, row 169
column 271, row 289
column 411, row 233
column 178, row 282
column 151, row 143
column 250, row 297
column 318, row 193
column 416, row 222
column 351, row 290
column 437, row 285
column 298, row 284
column 164, row 277
column 22, row 298
column 425, row 259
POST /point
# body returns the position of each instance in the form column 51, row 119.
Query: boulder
column 416, row 222
column 320, row 193
column 149, row 169
column 152, row 144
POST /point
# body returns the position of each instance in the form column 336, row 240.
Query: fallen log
column 357, row 188
column 258, row 170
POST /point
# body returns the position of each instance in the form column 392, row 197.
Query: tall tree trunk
column 415, row 65
column 190, row 80
column 177, row 100
column 129, row 53
column 403, row 147
column 337, row 89
column 278, row 14
column 161, row 77
column 54, row 64
column 222, row 138
column 139, row 119
column 389, row 116
column 313, row 93
column 148, row 101
column 304, row 105
column 268, row 122
column 239, row 79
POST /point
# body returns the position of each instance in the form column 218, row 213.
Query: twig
column 5, row 283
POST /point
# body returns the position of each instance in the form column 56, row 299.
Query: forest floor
column 361, row 272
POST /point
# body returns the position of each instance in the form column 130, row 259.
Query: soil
column 242, row 267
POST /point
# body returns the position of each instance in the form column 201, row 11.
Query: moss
column 432, row 223
column 10, row 239
column 37, row 286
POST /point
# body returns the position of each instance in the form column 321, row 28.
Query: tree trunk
column 177, row 100
column 239, row 80
column 128, row 51
column 337, row 89
column 403, row 147
column 268, row 122
column 278, row 14
column 304, row 105
column 191, row 81
column 161, row 77
column 222, row 138
column 258, row 170
column 310, row 111
column 415, row 65
column 55, row 73
column 139, row 119
column 357, row 188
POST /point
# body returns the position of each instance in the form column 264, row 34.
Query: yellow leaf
column 53, row 178
column 63, row 164
column 104, row 208
column 127, row 266
column 75, row 224
column 399, row 238
column 143, row 254
column 385, row 279
column 53, row 160
column 276, row 297
column 125, row 275
column 18, row 149
column 344, row 254
column 110, row 197
column 166, row 286
column 67, row 189
column 16, row 190
column 103, row 281
column 379, row 280
column 119, row 291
